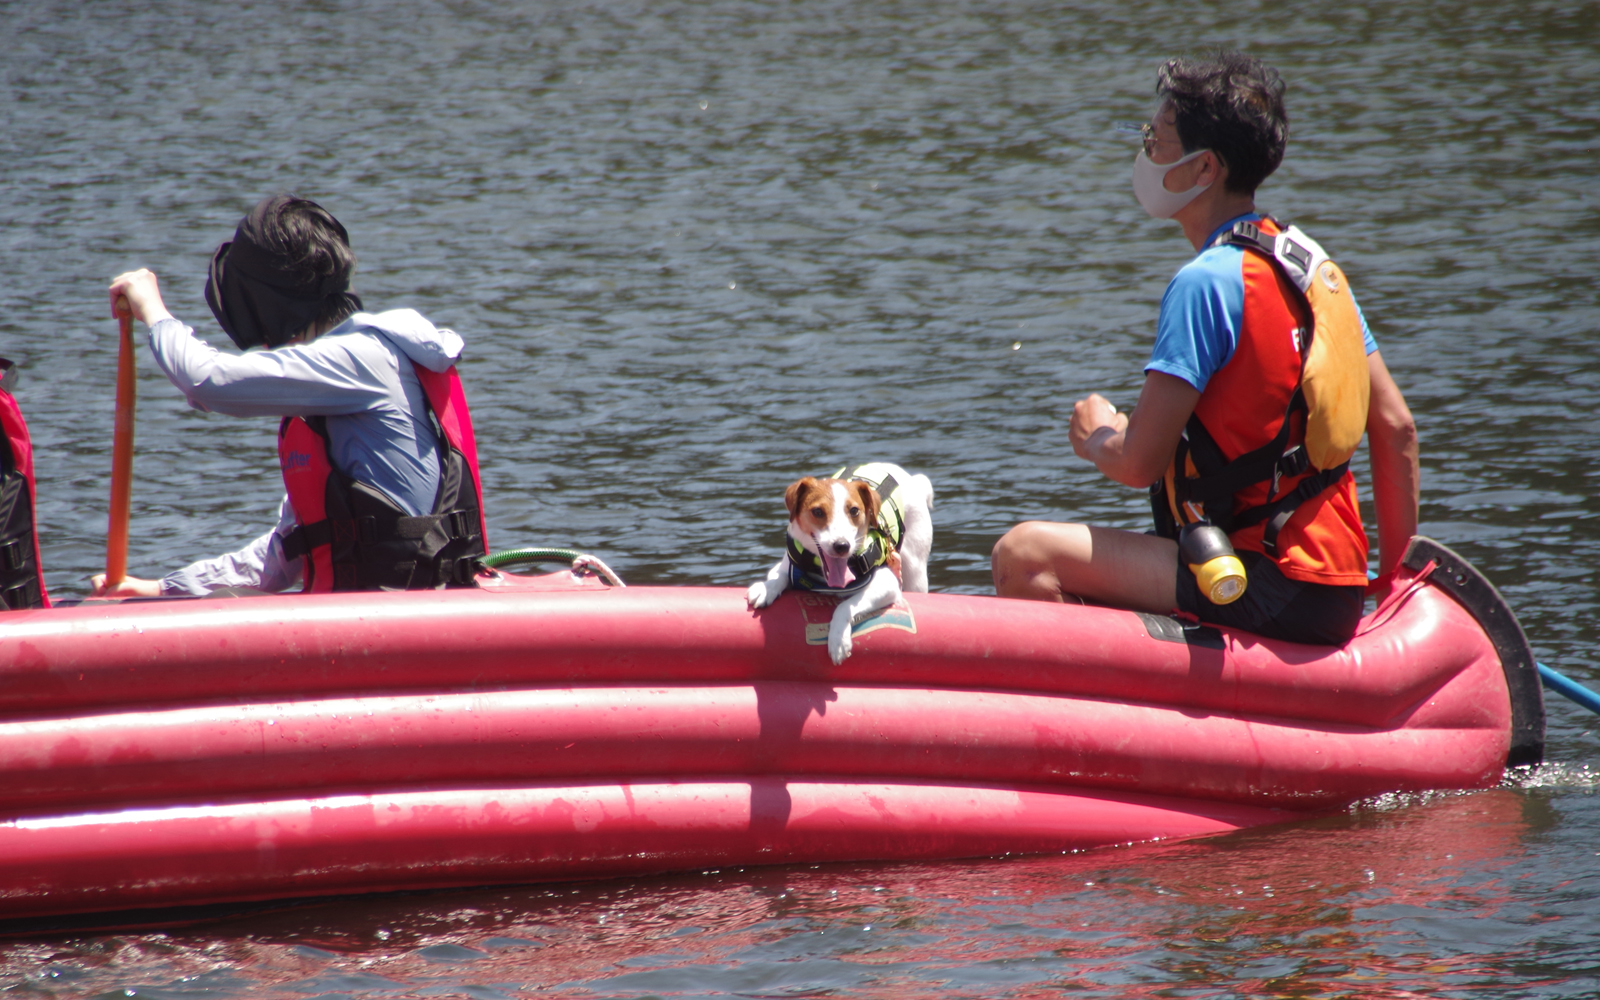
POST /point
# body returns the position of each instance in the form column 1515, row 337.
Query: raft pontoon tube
column 188, row 752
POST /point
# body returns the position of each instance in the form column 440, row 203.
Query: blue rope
column 1569, row 687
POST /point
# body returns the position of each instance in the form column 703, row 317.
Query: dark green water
column 697, row 248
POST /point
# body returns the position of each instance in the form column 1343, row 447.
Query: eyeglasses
column 1144, row 130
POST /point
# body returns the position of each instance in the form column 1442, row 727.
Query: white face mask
column 1150, row 189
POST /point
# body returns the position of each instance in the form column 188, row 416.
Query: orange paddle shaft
column 121, row 453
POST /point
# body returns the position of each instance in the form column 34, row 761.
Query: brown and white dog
column 848, row 539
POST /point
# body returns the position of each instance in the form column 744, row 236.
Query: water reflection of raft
column 187, row 752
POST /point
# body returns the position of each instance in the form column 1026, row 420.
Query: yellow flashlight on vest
column 1205, row 549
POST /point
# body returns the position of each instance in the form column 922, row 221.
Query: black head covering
column 260, row 293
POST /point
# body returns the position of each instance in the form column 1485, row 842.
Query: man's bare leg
column 1047, row 561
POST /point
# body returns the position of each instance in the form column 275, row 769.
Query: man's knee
column 1024, row 560
column 1023, row 543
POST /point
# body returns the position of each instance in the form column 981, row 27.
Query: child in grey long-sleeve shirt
column 351, row 367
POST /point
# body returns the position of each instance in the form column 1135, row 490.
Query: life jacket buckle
column 22, row 595
column 367, row 530
column 1297, row 253
column 462, row 570
column 1294, row 462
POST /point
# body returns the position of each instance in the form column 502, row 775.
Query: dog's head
column 831, row 518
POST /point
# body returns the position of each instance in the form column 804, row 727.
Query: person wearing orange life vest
column 375, row 444
column 1221, row 426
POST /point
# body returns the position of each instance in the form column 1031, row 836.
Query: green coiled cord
column 511, row 557
column 581, row 562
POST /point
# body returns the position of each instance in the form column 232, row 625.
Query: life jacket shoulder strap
column 448, row 401
column 307, row 473
column 1334, row 380
column 1291, row 249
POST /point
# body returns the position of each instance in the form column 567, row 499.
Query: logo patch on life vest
column 1329, row 275
column 296, row 460
column 816, row 610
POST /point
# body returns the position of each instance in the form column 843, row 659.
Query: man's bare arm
column 1134, row 449
column 1396, row 471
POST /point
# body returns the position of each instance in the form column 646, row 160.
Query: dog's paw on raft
column 840, row 642
column 761, row 594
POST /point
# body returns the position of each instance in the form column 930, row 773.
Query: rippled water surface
column 698, row 248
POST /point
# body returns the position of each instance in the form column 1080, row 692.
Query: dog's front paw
column 839, row 643
column 761, row 594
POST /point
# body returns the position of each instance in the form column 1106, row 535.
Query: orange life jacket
column 355, row 538
column 21, row 573
column 1265, row 455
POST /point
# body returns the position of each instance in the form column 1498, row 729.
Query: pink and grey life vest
column 355, row 538
column 21, row 574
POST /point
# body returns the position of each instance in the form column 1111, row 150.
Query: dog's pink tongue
column 837, row 570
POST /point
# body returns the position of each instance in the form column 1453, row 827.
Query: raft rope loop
column 581, row 562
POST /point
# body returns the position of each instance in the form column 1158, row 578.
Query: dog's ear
column 796, row 494
column 869, row 501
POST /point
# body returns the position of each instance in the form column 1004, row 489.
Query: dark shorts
column 1277, row 607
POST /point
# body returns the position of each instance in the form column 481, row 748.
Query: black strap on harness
column 16, row 552
column 1219, row 479
column 19, row 578
column 456, row 525
column 806, row 570
column 12, row 486
column 22, row 595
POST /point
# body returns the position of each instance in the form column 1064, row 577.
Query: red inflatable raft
column 166, row 753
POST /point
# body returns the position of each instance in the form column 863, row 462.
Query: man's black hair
column 287, row 268
column 1231, row 104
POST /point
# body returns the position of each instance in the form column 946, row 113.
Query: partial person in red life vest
column 379, row 462
column 21, row 574
column 1240, row 421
